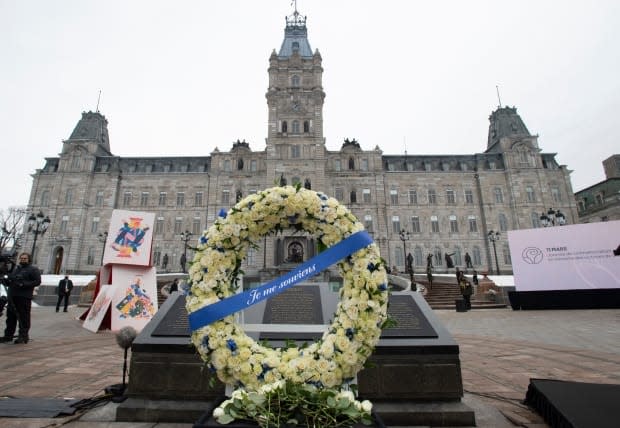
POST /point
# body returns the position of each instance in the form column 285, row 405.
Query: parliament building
column 445, row 203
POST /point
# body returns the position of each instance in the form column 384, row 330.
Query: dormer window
column 295, row 80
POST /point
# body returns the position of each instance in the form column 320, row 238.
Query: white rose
column 366, row 406
column 218, row 413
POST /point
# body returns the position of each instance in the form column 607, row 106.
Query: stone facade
column 448, row 203
column 601, row 201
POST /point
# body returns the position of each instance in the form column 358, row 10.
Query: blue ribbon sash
column 308, row 269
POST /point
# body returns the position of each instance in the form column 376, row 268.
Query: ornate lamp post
column 494, row 237
column 37, row 225
column 404, row 236
column 185, row 237
column 552, row 218
column 102, row 237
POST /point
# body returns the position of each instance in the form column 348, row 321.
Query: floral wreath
column 341, row 352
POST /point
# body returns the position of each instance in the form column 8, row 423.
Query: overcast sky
column 184, row 77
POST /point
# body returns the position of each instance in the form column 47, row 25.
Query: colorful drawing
column 129, row 238
column 136, row 303
column 99, row 308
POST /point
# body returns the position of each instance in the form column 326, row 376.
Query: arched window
column 353, row 197
column 351, row 164
column 306, row 126
column 506, row 251
column 284, row 126
column 295, row 80
column 239, row 164
column 295, row 127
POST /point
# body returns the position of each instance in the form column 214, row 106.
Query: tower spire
column 498, row 98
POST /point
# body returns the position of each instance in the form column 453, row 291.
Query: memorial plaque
column 411, row 322
column 175, row 322
column 296, row 305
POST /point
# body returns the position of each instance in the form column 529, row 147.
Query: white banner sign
column 572, row 257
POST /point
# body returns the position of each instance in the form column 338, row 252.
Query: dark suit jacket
column 65, row 288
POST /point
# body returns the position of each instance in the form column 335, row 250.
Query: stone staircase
column 445, row 292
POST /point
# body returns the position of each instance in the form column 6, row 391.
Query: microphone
column 126, row 336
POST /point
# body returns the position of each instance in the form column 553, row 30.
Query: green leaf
column 225, row 419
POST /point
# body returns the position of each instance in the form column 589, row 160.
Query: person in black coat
column 64, row 292
column 22, row 281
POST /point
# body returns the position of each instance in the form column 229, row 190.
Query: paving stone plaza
column 500, row 350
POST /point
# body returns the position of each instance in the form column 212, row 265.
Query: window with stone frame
column 418, row 257
column 295, row 151
column 295, row 79
column 368, row 222
column 337, row 165
column 535, row 219
column 556, row 195
column 434, row 224
column 227, row 166
column 353, row 196
column 198, row 199
column 415, row 224
column 503, row 222
column 454, row 224
column 469, row 196
column 45, row 198
column 159, row 225
column 196, row 230
column 162, row 199
column 530, row 195
column 99, row 198
column 432, row 197
column 339, row 194
column 180, row 199
column 306, row 126
column 296, row 129
column 366, row 196
column 69, row 197
column 127, row 199
column 499, row 196
column 178, row 225
column 250, row 258
column 473, row 225
column 64, row 222
column 225, row 196
column 396, row 224
column 476, row 256
column 506, row 254
column 94, row 225
column 90, row 257
column 144, row 199
column 156, row 256
column 413, row 197
column 450, row 197
column 364, row 165
column 253, row 165
column 394, row 197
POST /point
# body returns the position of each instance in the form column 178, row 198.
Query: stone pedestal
column 415, row 378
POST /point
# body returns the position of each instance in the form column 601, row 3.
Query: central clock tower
column 295, row 145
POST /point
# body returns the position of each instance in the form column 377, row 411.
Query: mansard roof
column 505, row 122
column 93, row 126
column 295, row 38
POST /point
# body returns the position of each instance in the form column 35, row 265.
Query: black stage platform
column 599, row 298
column 574, row 404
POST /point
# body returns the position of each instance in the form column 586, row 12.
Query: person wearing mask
column 64, row 292
column 22, row 281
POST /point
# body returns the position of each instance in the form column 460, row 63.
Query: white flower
column 366, row 406
column 218, row 413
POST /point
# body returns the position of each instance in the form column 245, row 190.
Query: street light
column 185, row 237
column 102, row 237
column 494, row 237
column 552, row 218
column 404, row 236
column 37, row 225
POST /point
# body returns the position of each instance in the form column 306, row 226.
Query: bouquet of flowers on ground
column 289, row 404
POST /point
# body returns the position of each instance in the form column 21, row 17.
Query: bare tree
column 12, row 221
